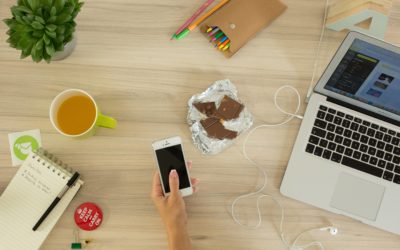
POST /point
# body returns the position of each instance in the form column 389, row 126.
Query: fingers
column 156, row 190
column 174, row 183
column 189, row 164
column 195, row 189
column 195, row 182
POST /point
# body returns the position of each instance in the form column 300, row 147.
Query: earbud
column 332, row 230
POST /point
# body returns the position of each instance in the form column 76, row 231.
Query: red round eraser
column 88, row 216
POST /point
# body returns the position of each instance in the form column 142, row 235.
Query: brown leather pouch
column 241, row 20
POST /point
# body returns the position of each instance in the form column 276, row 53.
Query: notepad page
column 24, row 201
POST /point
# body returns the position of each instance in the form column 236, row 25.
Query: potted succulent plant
column 43, row 29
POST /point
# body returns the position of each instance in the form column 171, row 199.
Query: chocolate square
column 229, row 109
column 215, row 129
column 207, row 108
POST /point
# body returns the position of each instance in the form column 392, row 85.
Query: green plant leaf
column 69, row 10
column 36, row 25
column 25, row 53
column 23, row 3
column 37, row 55
column 59, row 46
column 39, row 45
column 15, row 12
column 47, row 57
column 37, row 51
column 34, row 4
column 19, row 20
column 51, row 34
column 63, row 18
column 68, row 39
column 38, row 33
column 27, row 19
column 40, row 20
column 47, row 2
column 39, row 12
column 50, row 49
column 61, row 38
column 52, row 19
column 46, row 39
column 9, row 22
column 59, row 4
column 51, row 27
column 24, row 29
column 53, row 11
column 60, row 29
column 24, row 9
column 24, row 42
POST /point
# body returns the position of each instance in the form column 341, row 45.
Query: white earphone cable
column 317, row 52
column 259, row 191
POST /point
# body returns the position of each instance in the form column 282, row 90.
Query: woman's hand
column 172, row 209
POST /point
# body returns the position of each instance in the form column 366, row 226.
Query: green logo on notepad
column 24, row 145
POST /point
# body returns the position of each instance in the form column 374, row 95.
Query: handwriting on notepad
column 30, row 175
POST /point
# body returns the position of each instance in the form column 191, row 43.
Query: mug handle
column 106, row 121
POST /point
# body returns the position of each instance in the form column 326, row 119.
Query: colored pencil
column 227, row 47
column 224, row 44
column 193, row 17
column 215, row 30
column 218, row 35
column 222, row 40
column 194, row 25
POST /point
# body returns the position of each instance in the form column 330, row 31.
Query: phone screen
column 172, row 158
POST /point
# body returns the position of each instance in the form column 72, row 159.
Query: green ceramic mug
column 74, row 113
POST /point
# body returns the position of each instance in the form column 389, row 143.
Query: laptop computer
column 346, row 158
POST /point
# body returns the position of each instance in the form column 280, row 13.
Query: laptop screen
column 370, row 74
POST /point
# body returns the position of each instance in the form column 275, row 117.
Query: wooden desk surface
column 125, row 59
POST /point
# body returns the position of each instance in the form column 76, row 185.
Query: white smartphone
column 169, row 155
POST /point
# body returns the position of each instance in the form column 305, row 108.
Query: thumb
column 174, row 182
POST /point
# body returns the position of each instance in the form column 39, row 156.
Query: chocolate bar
column 229, row 109
column 207, row 108
column 215, row 129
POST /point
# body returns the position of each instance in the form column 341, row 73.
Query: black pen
column 70, row 183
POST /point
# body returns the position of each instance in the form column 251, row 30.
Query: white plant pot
column 68, row 49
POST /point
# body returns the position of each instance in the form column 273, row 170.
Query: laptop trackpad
column 357, row 196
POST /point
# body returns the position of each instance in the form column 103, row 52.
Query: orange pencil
column 205, row 16
column 200, row 20
column 224, row 44
column 226, row 47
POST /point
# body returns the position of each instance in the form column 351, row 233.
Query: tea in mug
column 76, row 115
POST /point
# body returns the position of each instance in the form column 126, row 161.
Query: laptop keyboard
column 356, row 143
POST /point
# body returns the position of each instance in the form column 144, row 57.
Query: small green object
column 24, row 145
column 182, row 35
column 219, row 35
column 76, row 246
column 39, row 28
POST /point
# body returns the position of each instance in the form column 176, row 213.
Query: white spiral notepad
column 38, row 181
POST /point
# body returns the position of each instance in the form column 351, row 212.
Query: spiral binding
column 53, row 163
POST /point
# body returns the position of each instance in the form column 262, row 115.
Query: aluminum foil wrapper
column 215, row 93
